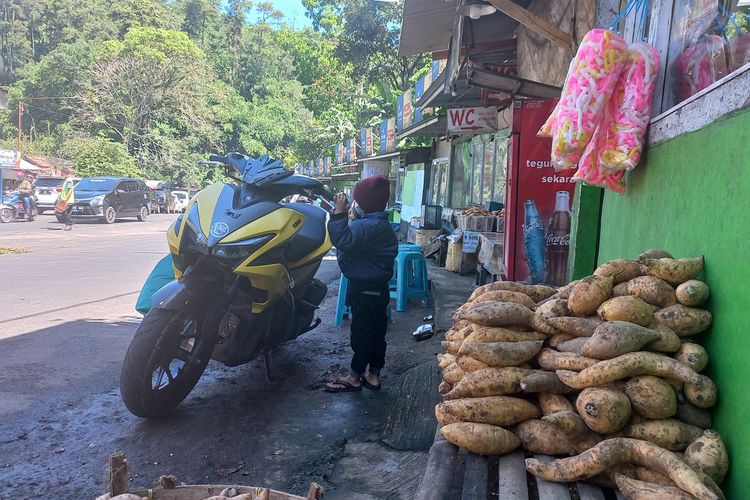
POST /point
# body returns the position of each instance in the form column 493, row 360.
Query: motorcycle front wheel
column 165, row 359
column 6, row 215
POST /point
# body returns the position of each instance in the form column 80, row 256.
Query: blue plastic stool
column 342, row 309
column 411, row 280
column 409, row 247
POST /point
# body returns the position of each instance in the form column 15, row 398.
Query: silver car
column 46, row 190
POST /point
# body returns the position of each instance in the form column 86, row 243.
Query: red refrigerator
column 537, row 201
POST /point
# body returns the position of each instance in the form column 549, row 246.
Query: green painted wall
column 692, row 196
column 584, row 231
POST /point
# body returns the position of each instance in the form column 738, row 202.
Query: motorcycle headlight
column 242, row 249
column 97, row 200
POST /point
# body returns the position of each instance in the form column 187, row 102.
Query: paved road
column 65, row 322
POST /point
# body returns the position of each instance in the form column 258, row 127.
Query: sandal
column 367, row 384
column 348, row 387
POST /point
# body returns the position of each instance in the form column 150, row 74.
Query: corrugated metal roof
column 426, row 26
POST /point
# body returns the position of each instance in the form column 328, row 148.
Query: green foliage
column 151, row 86
column 94, row 156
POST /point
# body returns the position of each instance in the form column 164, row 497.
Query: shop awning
column 384, row 156
column 434, row 126
column 426, row 26
column 512, row 85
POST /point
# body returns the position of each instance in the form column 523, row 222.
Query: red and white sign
column 462, row 120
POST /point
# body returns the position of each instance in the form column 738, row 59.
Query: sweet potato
column 668, row 433
column 553, row 403
column 620, row 290
column 564, row 291
column 444, row 388
column 495, row 410
column 453, row 374
column 573, row 345
column 445, row 360
column 553, row 308
column 550, row 359
column 651, row 397
column 489, row 382
column 708, row 454
column 612, row 452
column 634, row 489
column 654, row 253
column 481, row 439
column 535, row 292
column 651, row 476
column 443, row 417
column 498, row 314
column 543, row 381
column 621, row 270
column 702, row 394
column 558, row 339
column 457, row 335
column 499, row 354
column 505, row 296
column 692, row 293
column 469, row 364
column 569, row 423
column 539, row 324
column 538, row 436
column 614, row 338
column 604, row 410
column 626, row 308
column 631, row 365
column 589, row 294
column 481, row 334
column 451, row 347
column 577, row 327
column 652, row 290
column 693, row 355
column 674, row 271
column 668, row 340
column 684, row 320
column 691, row 414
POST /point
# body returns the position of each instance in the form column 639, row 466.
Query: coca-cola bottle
column 533, row 242
column 558, row 240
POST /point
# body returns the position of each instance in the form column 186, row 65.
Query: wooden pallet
column 514, row 483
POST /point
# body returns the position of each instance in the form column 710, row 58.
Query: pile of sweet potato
column 604, row 369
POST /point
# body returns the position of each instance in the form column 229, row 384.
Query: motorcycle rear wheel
column 166, row 358
column 6, row 215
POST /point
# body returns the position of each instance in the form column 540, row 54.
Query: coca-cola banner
column 538, row 201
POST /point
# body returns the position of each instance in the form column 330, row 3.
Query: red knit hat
column 373, row 193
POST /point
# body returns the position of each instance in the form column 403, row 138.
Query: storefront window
column 477, row 173
column 501, row 158
column 489, row 171
column 439, row 183
column 709, row 40
column 461, row 175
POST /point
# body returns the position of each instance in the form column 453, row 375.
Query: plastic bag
column 738, row 50
column 700, row 65
column 591, row 78
column 630, row 110
column 589, row 168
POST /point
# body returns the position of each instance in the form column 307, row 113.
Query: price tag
column 471, row 240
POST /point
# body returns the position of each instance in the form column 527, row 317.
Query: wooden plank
column 511, row 471
column 475, row 478
column 549, row 490
column 535, row 23
column 438, row 474
column 588, row 491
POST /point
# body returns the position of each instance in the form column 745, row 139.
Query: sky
column 294, row 11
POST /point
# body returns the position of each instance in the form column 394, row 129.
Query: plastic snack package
column 591, row 78
column 630, row 109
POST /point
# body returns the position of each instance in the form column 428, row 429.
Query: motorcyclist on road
column 25, row 192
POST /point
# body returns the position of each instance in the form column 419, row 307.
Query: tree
column 93, row 156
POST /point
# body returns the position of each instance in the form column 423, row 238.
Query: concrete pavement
column 66, row 322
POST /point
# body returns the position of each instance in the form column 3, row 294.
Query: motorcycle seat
column 311, row 235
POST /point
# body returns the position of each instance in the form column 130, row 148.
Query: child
column 366, row 248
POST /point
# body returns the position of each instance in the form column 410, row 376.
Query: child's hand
column 342, row 204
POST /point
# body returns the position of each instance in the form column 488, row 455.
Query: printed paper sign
column 462, row 120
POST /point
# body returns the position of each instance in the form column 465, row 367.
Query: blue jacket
column 365, row 247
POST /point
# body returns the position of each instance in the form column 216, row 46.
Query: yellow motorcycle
column 245, row 263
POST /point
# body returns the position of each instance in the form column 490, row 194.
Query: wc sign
column 461, row 120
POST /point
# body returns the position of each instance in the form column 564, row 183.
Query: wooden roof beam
column 534, row 23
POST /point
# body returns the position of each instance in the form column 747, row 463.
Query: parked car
column 109, row 198
column 166, row 201
column 181, row 200
column 47, row 189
